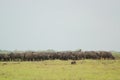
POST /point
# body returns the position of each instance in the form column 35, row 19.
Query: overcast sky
column 60, row 24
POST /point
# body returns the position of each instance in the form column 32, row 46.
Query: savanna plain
column 61, row 70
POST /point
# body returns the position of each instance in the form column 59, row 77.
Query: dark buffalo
column 73, row 62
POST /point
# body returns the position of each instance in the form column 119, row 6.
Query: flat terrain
column 61, row 70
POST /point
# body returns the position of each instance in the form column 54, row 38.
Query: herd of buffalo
column 62, row 55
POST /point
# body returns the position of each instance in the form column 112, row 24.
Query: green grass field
column 61, row 70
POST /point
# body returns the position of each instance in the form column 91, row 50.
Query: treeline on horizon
column 52, row 55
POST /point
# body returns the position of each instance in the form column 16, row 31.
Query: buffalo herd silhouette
column 61, row 55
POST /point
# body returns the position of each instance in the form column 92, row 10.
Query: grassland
column 61, row 70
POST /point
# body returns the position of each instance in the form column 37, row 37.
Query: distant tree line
column 61, row 55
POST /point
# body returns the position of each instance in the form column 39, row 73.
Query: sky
column 60, row 24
